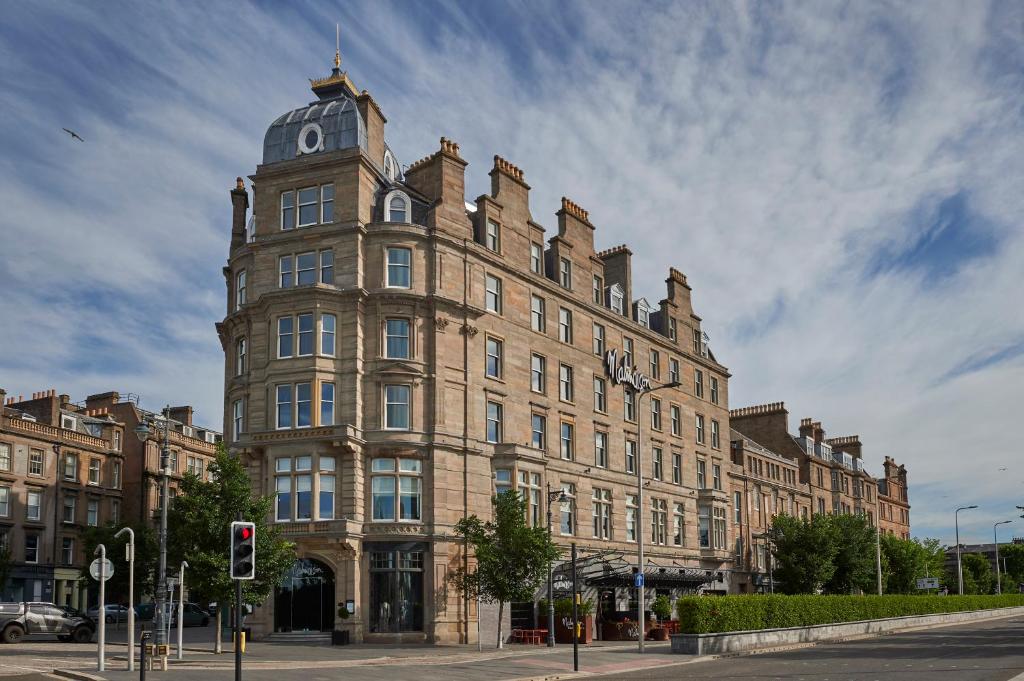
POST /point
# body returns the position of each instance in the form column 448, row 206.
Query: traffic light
column 243, row 550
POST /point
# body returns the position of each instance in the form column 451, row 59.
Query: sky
column 840, row 181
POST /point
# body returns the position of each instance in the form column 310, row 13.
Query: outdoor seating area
column 530, row 636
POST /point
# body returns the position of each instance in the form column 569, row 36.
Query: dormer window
column 396, row 207
column 390, row 166
column 492, row 239
column 311, row 138
column 616, row 298
column 642, row 311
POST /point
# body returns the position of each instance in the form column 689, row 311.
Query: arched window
column 396, row 207
column 390, row 167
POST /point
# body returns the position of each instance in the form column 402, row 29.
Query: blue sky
column 841, row 182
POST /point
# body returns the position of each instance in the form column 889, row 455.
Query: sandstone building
column 65, row 467
column 893, row 503
column 396, row 355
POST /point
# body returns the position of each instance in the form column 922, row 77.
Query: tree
column 147, row 553
column 512, row 558
column 855, row 555
column 1012, row 556
column 200, row 520
column 907, row 560
column 978, row 576
column 803, row 553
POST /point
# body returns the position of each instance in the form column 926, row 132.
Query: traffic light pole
column 238, row 630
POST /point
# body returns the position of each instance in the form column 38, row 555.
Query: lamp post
column 143, row 431
column 561, row 497
column 995, row 538
column 959, row 565
column 129, row 550
column 640, row 505
column 181, row 606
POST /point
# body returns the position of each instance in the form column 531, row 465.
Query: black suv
column 18, row 620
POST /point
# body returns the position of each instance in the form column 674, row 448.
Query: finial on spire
column 337, row 46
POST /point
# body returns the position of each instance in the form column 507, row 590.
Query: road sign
column 928, row 583
column 108, row 570
column 638, row 580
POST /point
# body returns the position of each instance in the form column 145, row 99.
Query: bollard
column 143, row 639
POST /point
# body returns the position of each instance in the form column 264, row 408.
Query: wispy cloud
column 840, row 181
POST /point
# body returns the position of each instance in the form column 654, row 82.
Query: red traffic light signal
column 243, row 550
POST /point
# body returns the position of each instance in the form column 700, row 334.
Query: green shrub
column 713, row 614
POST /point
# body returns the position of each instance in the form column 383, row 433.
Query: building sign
column 620, row 373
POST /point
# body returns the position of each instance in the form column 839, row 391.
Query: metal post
column 771, row 566
column 161, row 587
column 959, row 564
column 101, row 651
column 995, row 538
column 551, row 591
column 143, row 637
column 640, row 519
column 129, row 550
column 878, row 556
column 238, row 623
column 181, row 606
column 238, row 630
column 575, row 616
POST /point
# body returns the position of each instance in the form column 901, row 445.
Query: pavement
column 983, row 651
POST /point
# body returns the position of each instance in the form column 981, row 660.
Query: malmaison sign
column 620, row 373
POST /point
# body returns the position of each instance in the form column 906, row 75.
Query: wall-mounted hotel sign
column 620, row 373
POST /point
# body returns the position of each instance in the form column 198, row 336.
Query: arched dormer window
column 616, row 298
column 390, row 166
column 396, row 207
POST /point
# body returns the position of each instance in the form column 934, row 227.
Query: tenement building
column 61, row 471
column 763, row 485
column 191, row 448
column 396, row 355
column 893, row 502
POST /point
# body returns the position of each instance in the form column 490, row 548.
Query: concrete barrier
column 743, row 641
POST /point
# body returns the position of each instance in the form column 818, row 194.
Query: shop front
column 396, row 586
column 304, row 600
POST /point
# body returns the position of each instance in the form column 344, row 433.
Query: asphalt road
column 987, row 651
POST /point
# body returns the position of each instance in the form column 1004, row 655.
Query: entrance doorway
column 396, row 587
column 304, row 600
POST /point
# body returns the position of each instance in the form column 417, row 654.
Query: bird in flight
column 74, row 135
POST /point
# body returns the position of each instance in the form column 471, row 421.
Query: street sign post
column 638, row 580
column 108, row 569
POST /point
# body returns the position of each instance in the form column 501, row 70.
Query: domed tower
column 329, row 392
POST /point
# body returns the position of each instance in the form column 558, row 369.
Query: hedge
column 714, row 614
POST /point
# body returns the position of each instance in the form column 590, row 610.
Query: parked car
column 194, row 615
column 115, row 613
column 18, row 620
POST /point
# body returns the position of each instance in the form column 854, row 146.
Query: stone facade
column 893, row 502
column 192, row 448
column 61, row 471
column 433, row 352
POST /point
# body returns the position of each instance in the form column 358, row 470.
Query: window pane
column 284, row 497
column 327, row 267
column 399, row 260
column 303, row 405
column 410, row 498
column 409, row 465
column 326, row 510
column 303, row 463
column 397, row 210
column 287, row 210
column 383, row 492
column 305, row 334
column 327, row 405
column 284, row 406
column 307, row 206
column 303, row 497
column 327, row 203
column 305, row 266
column 328, row 322
column 285, row 326
column 397, row 332
column 396, row 406
column 382, row 465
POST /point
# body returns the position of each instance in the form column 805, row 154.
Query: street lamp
column 771, row 579
column 640, row 503
column 995, row 538
column 143, row 431
column 959, row 565
column 561, row 497
column 129, row 550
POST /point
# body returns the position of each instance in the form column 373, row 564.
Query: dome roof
column 326, row 125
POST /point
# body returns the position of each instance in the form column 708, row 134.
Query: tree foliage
column 147, row 556
column 1012, row 556
column 979, row 577
column 199, row 522
column 512, row 558
column 803, row 553
column 856, row 555
column 904, row 561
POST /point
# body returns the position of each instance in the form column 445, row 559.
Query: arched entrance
column 304, row 600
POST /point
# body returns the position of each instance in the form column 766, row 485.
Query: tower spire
column 337, row 46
